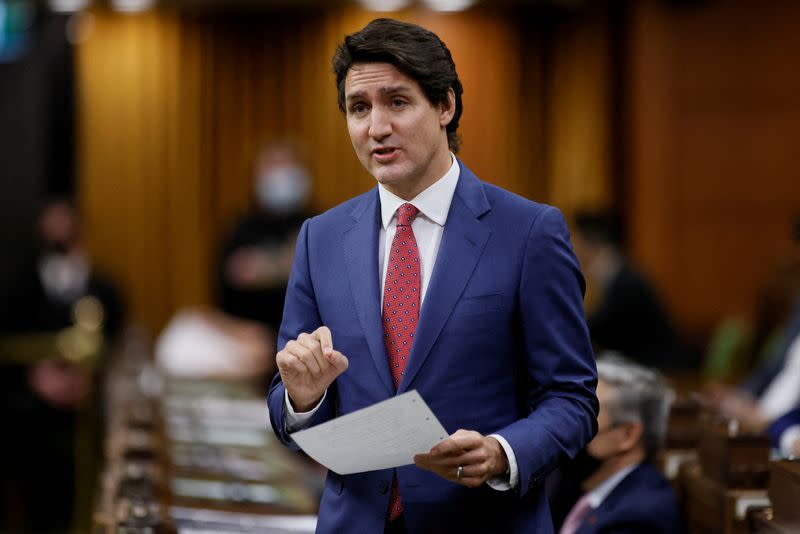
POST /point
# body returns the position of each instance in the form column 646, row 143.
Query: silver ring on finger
column 459, row 472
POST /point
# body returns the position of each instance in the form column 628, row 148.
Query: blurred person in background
column 775, row 304
column 626, row 492
column 42, row 388
column 772, row 388
column 770, row 391
column 757, row 348
column 785, row 434
column 256, row 257
column 623, row 311
column 237, row 341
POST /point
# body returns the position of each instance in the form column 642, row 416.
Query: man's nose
column 380, row 125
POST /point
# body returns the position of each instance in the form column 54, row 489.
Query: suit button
column 384, row 487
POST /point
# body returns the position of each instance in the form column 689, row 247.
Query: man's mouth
column 385, row 154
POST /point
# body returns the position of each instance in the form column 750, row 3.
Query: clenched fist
column 308, row 365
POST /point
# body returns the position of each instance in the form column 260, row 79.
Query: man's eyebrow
column 390, row 89
column 395, row 89
column 354, row 95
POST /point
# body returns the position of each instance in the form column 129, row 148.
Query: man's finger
column 305, row 355
column 323, row 334
column 339, row 361
column 312, row 343
column 449, row 463
column 467, row 439
column 290, row 362
column 447, row 447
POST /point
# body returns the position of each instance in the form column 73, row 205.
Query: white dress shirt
column 433, row 204
column 787, row 440
column 783, row 392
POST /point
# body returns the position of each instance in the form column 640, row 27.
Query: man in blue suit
column 437, row 282
column 627, row 494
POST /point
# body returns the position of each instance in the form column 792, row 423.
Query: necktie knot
column 406, row 214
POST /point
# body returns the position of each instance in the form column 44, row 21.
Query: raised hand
column 308, row 365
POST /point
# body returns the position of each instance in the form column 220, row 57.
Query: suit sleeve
column 300, row 314
column 556, row 353
column 782, row 424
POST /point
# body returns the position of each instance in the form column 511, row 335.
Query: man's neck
column 611, row 466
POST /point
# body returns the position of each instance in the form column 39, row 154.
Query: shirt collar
column 434, row 202
column 599, row 494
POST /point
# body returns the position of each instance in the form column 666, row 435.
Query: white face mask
column 64, row 276
column 283, row 189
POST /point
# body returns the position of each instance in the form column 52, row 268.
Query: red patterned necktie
column 401, row 300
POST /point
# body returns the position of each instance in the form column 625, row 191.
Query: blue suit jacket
column 642, row 503
column 501, row 347
column 781, row 424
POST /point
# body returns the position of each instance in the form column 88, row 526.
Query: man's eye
column 398, row 102
column 358, row 108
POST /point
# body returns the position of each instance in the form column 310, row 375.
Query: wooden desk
column 201, row 455
column 734, row 460
column 713, row 509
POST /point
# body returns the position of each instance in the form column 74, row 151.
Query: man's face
column 398, row 135
column 58, row 227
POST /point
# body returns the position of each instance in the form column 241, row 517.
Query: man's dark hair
column 416, row 52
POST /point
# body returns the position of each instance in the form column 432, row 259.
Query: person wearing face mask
column 256, row 257
column 43, row 296
column 625, row 493
column 43, row 394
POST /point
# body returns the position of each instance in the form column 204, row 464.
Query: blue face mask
column 283, row 189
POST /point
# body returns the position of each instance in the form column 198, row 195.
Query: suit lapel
column 361, row 258
column 463, row 241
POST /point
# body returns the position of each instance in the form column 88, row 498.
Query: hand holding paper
column 479, row 457
column 384, row 435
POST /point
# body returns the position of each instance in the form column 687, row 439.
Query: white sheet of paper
column 386, row 434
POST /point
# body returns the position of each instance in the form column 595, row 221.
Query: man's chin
column 387, row 177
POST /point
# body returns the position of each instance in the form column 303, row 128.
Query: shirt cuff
column 511, row 478
column 298, row 420
column 788, row 439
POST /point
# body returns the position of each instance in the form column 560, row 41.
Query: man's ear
column 447, row 109
column 631, row 436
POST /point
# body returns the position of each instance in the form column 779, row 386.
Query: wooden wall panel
column 579, row 115
column 715, row 118
column 123, row 173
